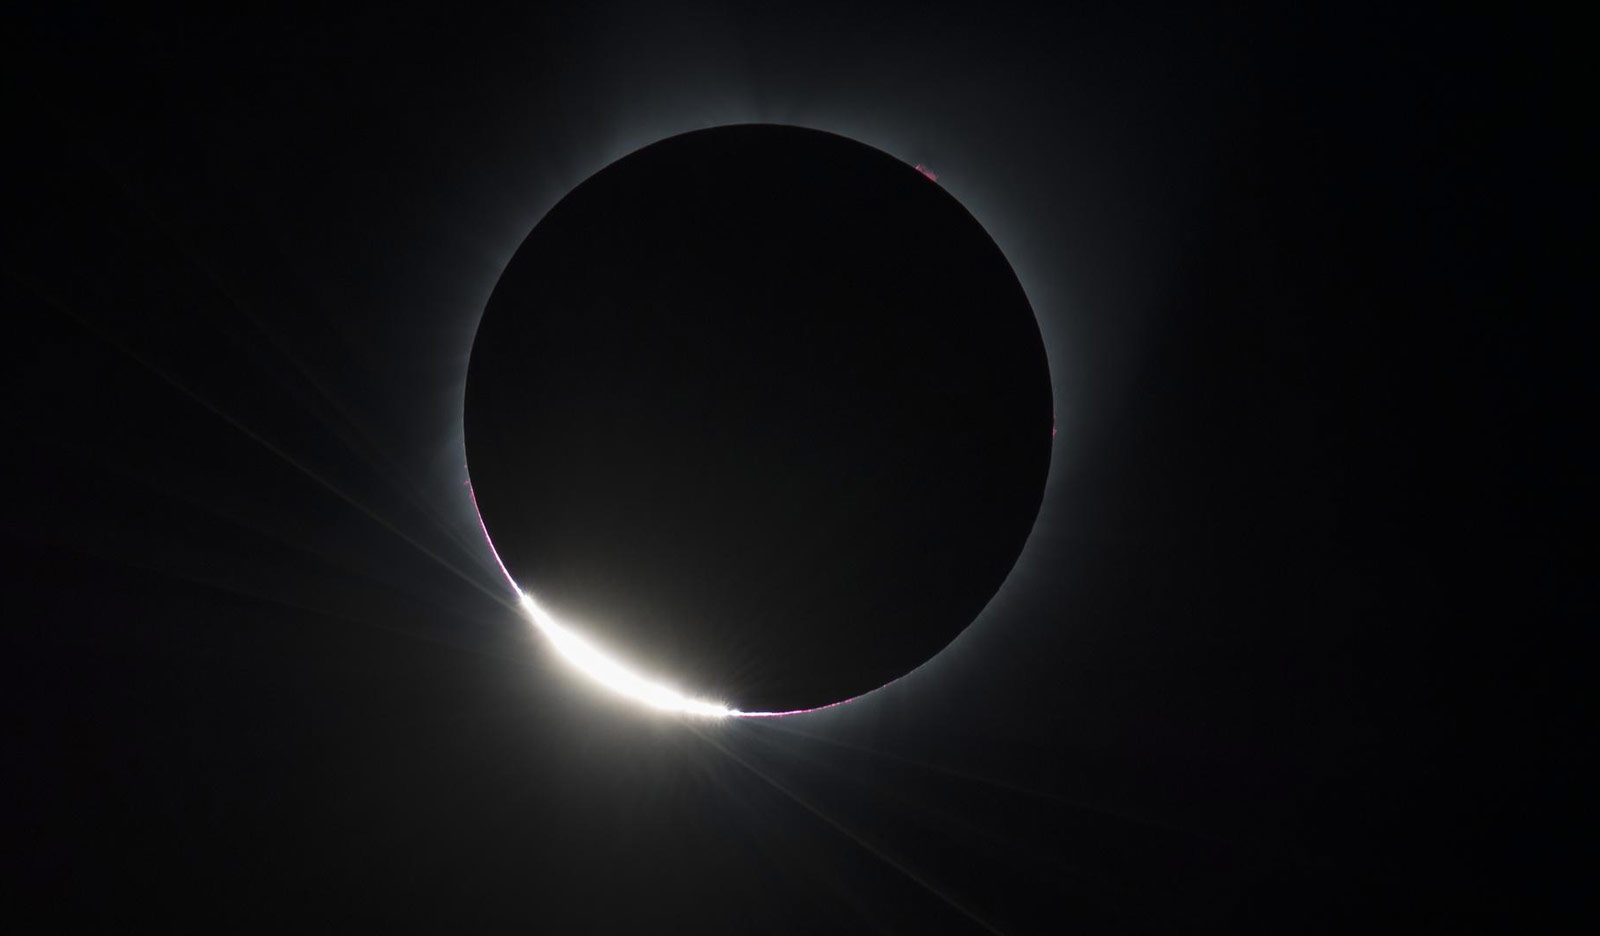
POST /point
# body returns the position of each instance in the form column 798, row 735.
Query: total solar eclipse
column 759, row 413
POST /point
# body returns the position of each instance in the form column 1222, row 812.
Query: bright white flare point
column 613, row 675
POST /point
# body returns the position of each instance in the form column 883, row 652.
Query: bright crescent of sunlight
column 613, row 675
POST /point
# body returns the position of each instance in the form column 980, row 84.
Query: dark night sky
column 1292, row 647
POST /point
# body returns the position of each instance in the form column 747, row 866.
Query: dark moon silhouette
column 764, row 411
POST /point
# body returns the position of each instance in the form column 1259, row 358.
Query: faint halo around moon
column 762, row 410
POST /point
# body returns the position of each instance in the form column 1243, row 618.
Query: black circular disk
column 764, row 411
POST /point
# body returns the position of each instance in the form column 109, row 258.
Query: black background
column 1293, row 646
